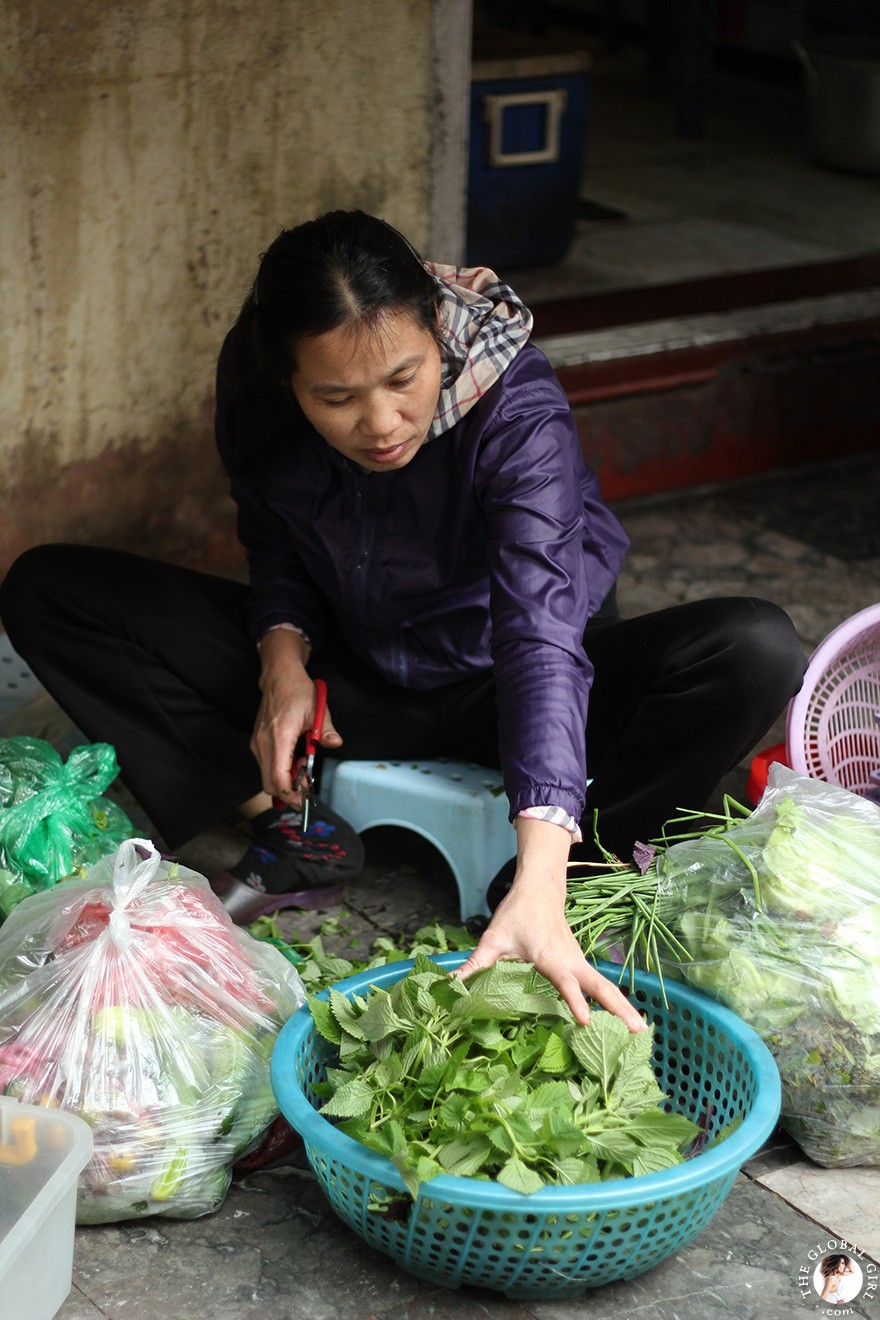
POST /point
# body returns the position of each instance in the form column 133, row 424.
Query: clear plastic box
column 42, row 1152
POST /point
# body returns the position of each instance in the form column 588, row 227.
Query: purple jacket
column 490, row 549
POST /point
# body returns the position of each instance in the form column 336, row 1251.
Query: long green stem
column 624, row 901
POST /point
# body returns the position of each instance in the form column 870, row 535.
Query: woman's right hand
column 529, row 926
column 287, row 710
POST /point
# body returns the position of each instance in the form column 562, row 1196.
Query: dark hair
column 831, row 1264
column 344, row 268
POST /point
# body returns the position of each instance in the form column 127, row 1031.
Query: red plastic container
column 760, row 768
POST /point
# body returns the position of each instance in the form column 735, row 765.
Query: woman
column 836, row 1271
column 423, row 534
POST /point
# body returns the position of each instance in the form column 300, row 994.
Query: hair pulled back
column 343, row 268
column 831, row 1264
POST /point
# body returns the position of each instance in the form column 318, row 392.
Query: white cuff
column 555, row 816
column 288, row 627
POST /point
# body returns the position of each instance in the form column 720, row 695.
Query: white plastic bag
column 781, row 916
column 129, row 998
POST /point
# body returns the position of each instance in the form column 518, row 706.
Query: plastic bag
column 781, row 916
column 129, row 998
column 53, row 817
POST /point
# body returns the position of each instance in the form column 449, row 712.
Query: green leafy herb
column 320, row 968
column 493, row 1078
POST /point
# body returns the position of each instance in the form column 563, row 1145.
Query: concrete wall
column 150, row 151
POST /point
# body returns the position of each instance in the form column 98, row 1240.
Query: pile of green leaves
column 492, row 1078
column 320, row 966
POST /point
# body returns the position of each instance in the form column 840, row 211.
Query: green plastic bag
column 54, row 819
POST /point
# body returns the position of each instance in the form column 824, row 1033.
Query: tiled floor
column 662, row 208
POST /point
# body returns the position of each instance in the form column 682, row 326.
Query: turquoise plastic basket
column 562, row 1240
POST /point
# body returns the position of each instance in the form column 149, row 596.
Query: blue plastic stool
column 460, row 808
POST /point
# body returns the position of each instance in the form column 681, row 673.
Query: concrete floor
column 276, row 1251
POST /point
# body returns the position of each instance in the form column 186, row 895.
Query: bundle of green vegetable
column 618, row 913
column 778, row 916
column 493, row 1078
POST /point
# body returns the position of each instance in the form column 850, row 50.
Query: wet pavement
column 809, row 540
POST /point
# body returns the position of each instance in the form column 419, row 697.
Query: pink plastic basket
column 833, row 728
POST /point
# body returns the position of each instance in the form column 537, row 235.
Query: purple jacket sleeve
column 548, row 573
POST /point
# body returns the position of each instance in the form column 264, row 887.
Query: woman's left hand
column 529, row 925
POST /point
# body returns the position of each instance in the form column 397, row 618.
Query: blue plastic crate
column 528, row 125
column 559, row 1241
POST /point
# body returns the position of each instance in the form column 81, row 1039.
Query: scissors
column 303, row 782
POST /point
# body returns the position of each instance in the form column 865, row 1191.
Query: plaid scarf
column 483, row 326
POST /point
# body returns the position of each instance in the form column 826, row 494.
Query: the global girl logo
column 836, row 1273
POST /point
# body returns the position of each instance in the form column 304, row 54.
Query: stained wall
column 149, row 152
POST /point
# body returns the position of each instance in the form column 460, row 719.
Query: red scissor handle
column 313, row 737
column 303, row 766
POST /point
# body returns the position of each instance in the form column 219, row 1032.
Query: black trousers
column 155, row 660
